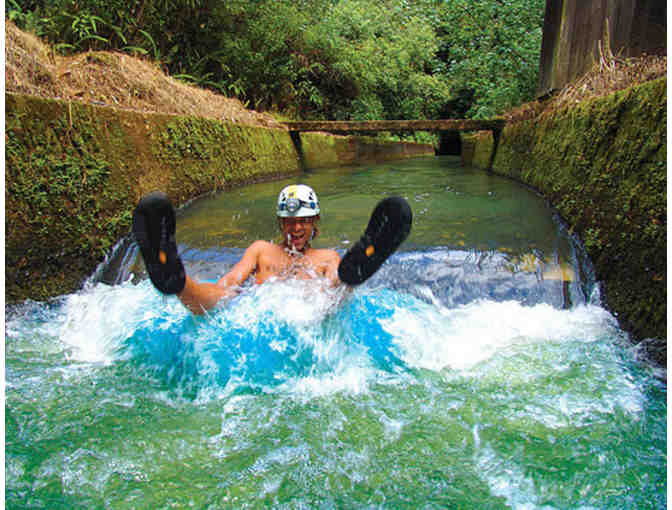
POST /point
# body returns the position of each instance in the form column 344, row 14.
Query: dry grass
column 608, row 75
column 611, row 74
column 112, row 79
column 122, row 81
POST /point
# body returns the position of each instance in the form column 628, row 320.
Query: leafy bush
column 491, row 49
column 333, row 59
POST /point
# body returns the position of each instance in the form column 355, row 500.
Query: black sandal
column 388, row 227
column 154, row 231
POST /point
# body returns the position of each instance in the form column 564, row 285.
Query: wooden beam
column 397, row 125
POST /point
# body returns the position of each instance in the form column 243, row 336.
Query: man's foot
column 388, row 227
column 154, row 231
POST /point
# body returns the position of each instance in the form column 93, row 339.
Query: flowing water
column 476, row 369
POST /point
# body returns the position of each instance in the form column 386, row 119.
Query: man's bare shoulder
column 261, row 246
column 325, row 255
column 262, row 250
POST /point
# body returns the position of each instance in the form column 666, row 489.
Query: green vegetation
column 74, row 173
column 322, row 59
column 61, row 191
column 603, row 164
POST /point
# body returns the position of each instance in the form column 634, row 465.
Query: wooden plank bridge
column 337, row 126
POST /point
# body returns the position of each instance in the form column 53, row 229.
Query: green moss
column 74, row 173
column 603, row 165
column 206, row 155
column 320, row 150
column 477, row 149
column 62, row 212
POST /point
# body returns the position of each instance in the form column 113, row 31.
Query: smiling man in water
column 298, row 210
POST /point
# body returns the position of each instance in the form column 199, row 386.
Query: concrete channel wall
column 603, row 165
column 74, row 172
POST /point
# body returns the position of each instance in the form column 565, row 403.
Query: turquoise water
column 477, row 369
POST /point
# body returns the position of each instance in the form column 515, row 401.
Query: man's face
column 297, row 232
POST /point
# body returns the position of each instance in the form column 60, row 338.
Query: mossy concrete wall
column 477, row 149
column 319, row 150
column 74, row 172
column 603, row 165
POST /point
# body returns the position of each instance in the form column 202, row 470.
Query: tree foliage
column 490, row 50
column 333, row 59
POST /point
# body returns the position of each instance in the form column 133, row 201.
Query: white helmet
column 297, row 201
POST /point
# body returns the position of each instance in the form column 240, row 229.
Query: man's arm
column 199, row 297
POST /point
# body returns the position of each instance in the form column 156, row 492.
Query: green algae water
column 476, row 369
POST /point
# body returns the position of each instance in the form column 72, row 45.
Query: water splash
column 453, row 378
column 294, row 385
column 305, row 336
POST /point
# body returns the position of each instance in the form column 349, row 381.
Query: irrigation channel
column 476, row 369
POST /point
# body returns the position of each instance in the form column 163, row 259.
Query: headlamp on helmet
column 297, row 201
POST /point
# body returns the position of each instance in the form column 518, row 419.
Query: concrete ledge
column 353, row 126
column 603, row 165
column 74, row 173
column 320, row 151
